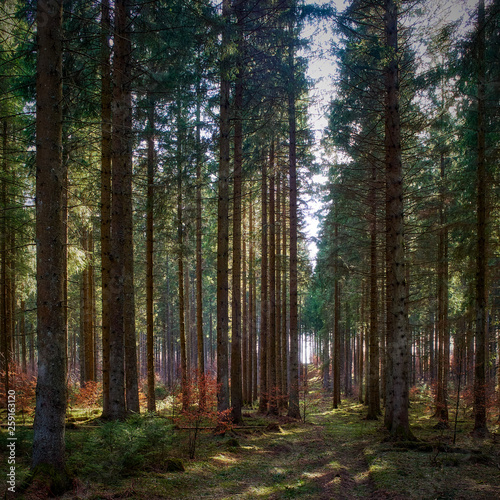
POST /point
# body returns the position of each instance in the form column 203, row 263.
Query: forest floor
column 335, row 454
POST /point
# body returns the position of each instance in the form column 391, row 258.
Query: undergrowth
column 333, row 454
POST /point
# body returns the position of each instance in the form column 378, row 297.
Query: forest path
column 321, row 459
column 335, row 455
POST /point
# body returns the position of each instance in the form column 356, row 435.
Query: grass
column 335, row 454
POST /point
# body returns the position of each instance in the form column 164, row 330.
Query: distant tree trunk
column 169, row 359
column 264, row 298
column 187, row 312
column 480, row 420
column 251, row 315
column 374, row 361
column 149, row 258
column 398, row 340
column 255, row 364
column 199, row 260
column 336, row 332
column 244, row 309
column 22, row 331
column 87, row 333
column 293, row 408
column 498, row 373
column 180, row 260
column 278, row 342
column 192, row 322
column 442, row 297
column 360, row 358
column 272, row 382
column 325, row 363
column 50, row 411
column 284, row 310
column 131, row 361
column 105, row 197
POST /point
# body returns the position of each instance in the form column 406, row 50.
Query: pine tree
column 50, row 412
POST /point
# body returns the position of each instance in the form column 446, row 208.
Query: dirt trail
column 321, row 460
column 340, row 469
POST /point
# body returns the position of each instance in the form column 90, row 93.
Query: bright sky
column 322, row 69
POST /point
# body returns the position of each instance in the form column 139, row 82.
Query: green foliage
column 118, row 449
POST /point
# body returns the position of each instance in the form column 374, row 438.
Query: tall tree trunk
column 336, row 333
column 236, row 372
column 187, row 312
column 149, row 258
column 50, row 411
column 180, row 260
column 279, row 261
column 22, row 331
column 121, row 172
column 88, row 366
column 272, row 382
column 293, row 408
column 245, row 348
column 131, row 361
column 199, row 261
column 251, row 316
column 105, row 196
column 264, row 298
column 223, row 218
column 442, row 297
column 398, row 339
column 480, row 424
column 284, row 310
column 374, row 361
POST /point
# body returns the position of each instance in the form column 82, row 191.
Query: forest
column 169, row 327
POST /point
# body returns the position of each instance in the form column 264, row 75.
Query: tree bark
column 199, row 260
column 374, row 361
column 293, row 408
column 50, row 411
column 105, row 196
column 272, row 375
column 236, row 372
column 480, row 417
column 279, row 262
column 251, row 311
column 149, row 258
column 442, row 297
column 121, row 171
column 336, row 332
column 264, row 297
column 398, row 340
column 180, row 260
column 223, row 219
column 284, row 309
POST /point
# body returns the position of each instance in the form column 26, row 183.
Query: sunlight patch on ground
column 261, row 491
column 225, row 459
column 313, row 475
column 278, row 470
column 361, row 477
column 335, row 464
